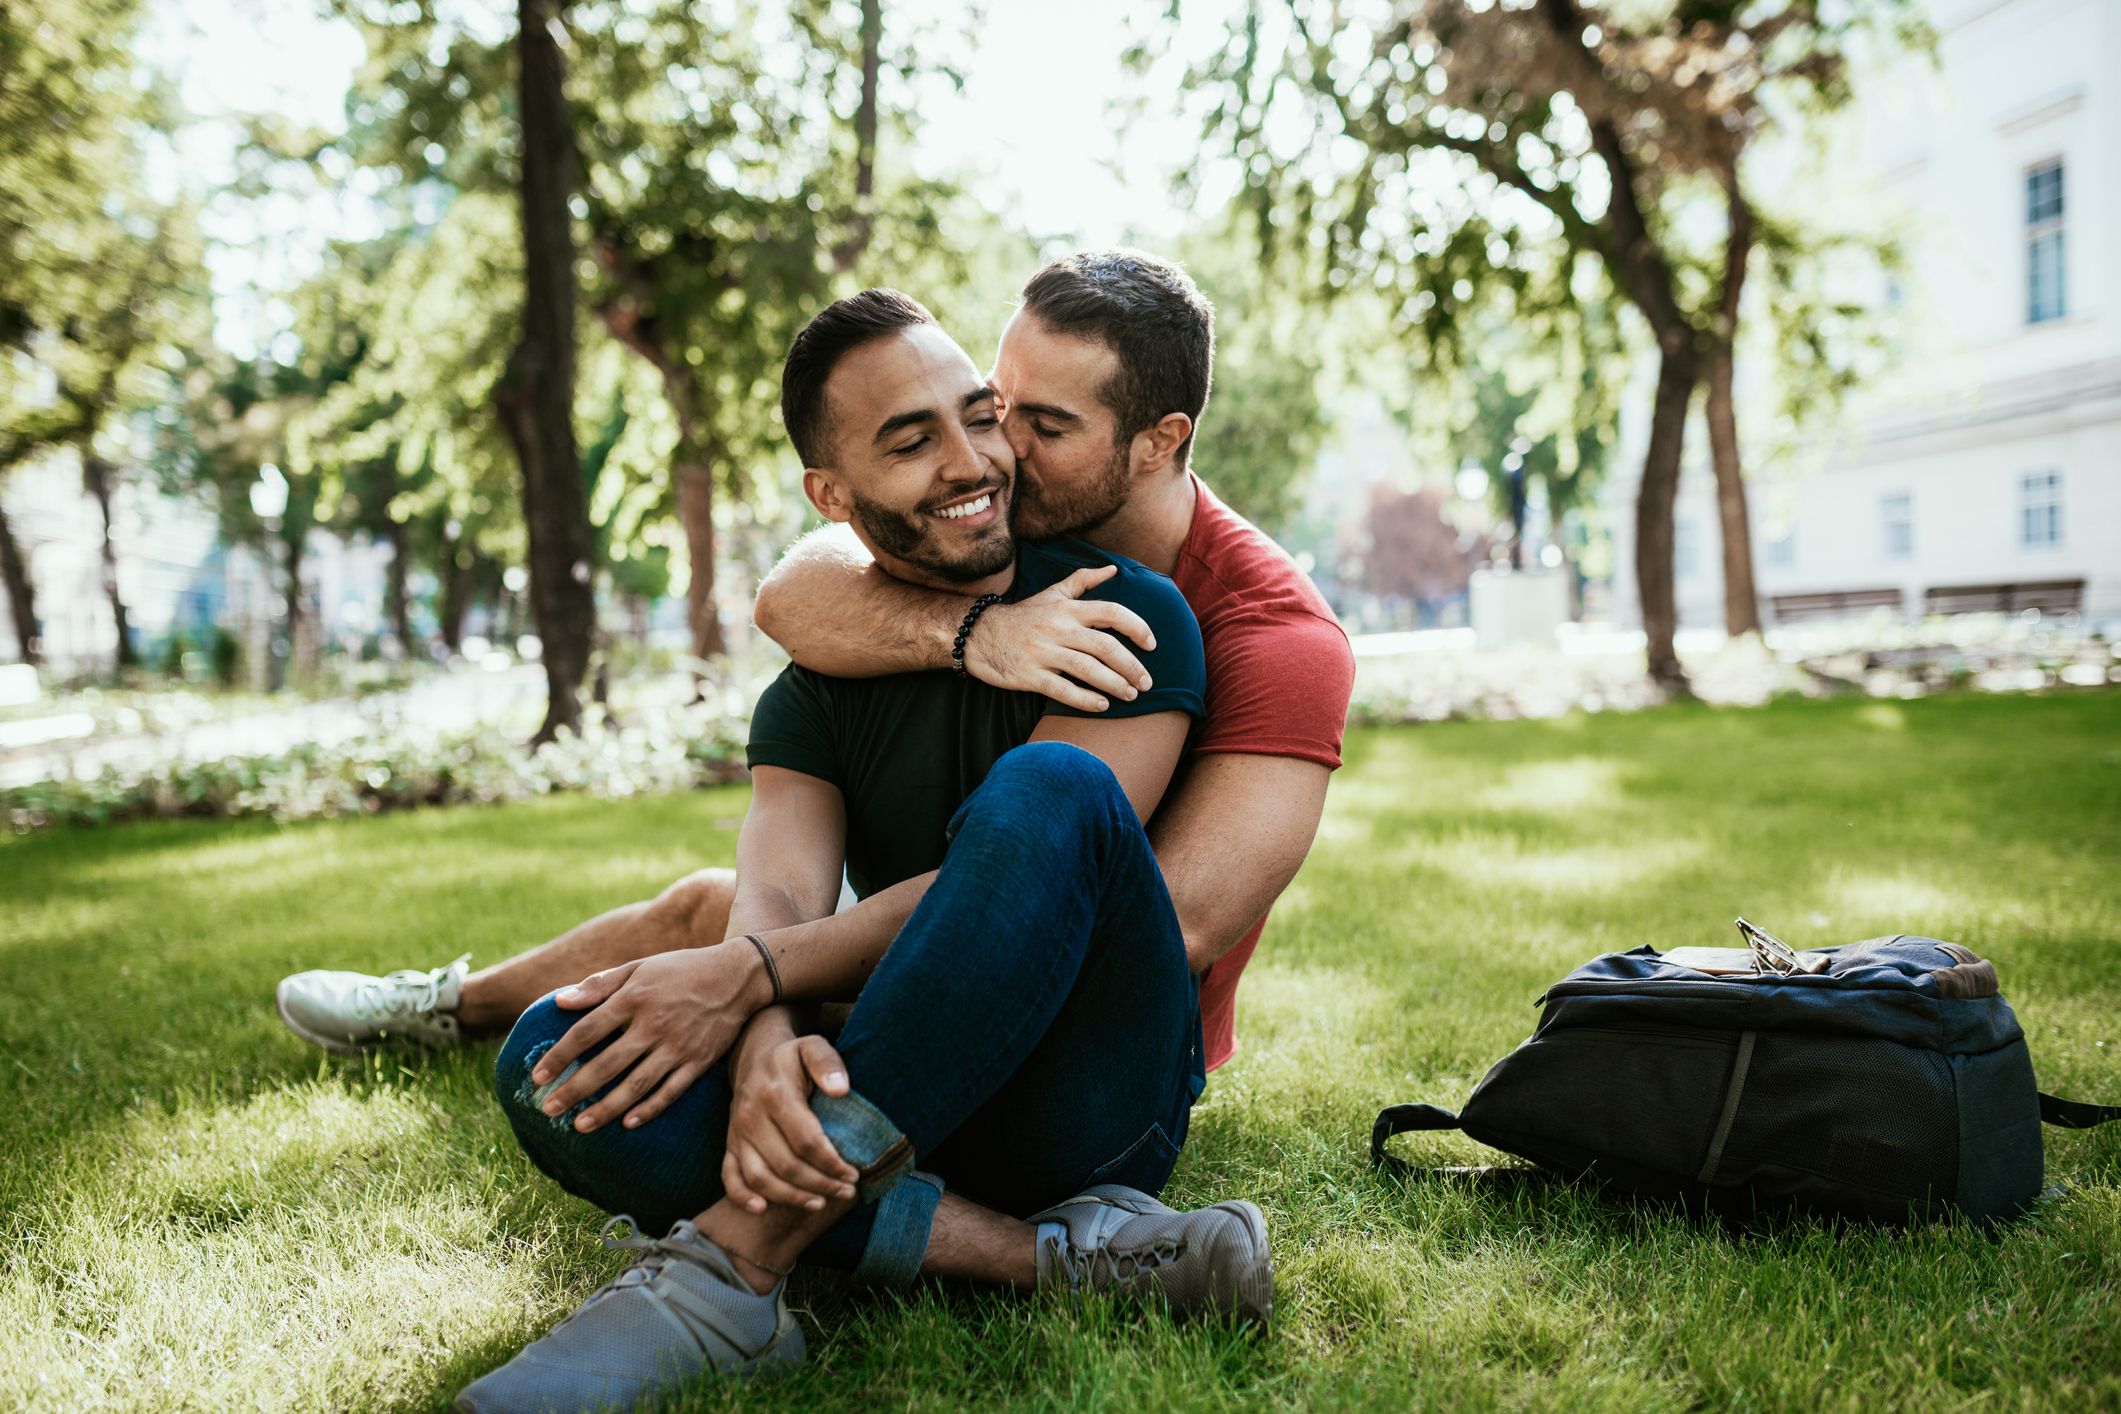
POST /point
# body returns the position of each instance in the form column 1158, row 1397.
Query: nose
column 1017, row 431
column 964, row 462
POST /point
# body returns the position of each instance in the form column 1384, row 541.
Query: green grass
column 197, row 1212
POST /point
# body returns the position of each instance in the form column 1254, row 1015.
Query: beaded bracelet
column 964, row 630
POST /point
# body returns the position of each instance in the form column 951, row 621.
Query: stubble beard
column 1039, row 512
column 911, row 538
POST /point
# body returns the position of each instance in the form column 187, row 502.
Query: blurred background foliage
column 727, row 166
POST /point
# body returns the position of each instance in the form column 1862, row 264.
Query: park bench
column 1788, row 608
column 2049, row 596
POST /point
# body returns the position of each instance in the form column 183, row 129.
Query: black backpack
column 1892, row 1084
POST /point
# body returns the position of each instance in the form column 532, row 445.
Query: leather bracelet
column 964, row 630
column 772, row 972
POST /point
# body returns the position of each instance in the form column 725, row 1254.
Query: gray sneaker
column 353, row 1011
column 1209, row 1262
column 680, row 1311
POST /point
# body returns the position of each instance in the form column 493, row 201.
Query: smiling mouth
column 963, row 510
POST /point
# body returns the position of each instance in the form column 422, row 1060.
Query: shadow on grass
column 200, row 1210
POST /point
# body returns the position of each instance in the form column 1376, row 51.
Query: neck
column 996, row 583
column 1152, row 526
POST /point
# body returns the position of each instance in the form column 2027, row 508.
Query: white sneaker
column 353, row 1011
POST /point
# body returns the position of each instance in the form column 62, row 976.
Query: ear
column 832, row 499
column 1154, row 447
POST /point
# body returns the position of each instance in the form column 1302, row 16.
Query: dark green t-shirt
column 905, row 750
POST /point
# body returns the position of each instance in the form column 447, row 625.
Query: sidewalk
column 47, row 748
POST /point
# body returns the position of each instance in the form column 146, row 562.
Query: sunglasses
column 1771, row 954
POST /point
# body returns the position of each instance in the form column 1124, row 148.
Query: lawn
column 198, row 1212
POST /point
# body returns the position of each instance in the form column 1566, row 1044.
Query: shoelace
column 403, row 993
column 659, row 1250
column 1081, row 1264
column 701, row 1319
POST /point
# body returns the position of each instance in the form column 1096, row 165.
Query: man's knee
column 696, row 907
column 1054, row 776
column 535, row 1033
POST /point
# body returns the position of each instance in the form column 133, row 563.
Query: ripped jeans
column 1032, row 1030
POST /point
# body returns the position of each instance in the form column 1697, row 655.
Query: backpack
column 1891, row 1083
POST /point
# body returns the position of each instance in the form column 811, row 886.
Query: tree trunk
column 863, row 229
column 692, row 460
column 535, row 398
column 294, row 540
column 695, row 477
column 1640, row 268
column 96, row 472
column 459, row 570
column 1654, row 498
column 397, row 601
column 1741, row 598
column 21, row 594
column 637, row 622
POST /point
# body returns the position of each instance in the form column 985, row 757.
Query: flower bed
column 400, row 767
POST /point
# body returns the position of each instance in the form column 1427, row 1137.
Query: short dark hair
column 1148, row 312
column 839, row 328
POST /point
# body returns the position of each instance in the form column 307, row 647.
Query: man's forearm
column 831, row 958
column 834, row 612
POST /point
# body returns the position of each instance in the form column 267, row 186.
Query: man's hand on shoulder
column 1056, row 644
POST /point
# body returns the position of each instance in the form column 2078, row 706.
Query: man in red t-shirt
column 1102, row 374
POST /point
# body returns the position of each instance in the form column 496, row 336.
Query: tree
column 724, row 176
column 100, row 283
column 1579, row 130
column 1266, row 417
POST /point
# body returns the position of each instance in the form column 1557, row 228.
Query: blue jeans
column 1032, row 1030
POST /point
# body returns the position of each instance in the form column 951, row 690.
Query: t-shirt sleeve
column 1280, row 687
column 1177, row 665
column 792, row 727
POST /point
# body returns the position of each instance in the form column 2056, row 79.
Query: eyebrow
column 899, row 421
column 1046, row 410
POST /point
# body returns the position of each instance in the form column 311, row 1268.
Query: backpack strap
column 1399, row 1119
column 2063, row 1114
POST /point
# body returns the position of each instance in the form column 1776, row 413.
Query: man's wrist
column 768, row 1028
column 756, row 990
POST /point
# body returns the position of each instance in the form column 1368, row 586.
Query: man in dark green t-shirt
column 906, row 750
column 1024, row 1023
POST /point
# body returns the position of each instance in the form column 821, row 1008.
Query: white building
column 1989, row 458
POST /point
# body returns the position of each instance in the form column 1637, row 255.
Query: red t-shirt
column 1279, row 677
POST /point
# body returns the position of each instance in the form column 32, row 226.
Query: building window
column 1782, row 550
column 1896, row 514
column 2040, row 510
column 2045, row 293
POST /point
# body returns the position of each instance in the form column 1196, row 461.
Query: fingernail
column 585, row 1124
column 1147, row 682
column 846, row 1190
column 539, row 1076
column 835, row 1077
column 633, row 1121
column 757, row 1205
column 570, row 993
column 553, row 1106
column 813, row 1204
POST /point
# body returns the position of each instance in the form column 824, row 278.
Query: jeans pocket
column 1145, row 1164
